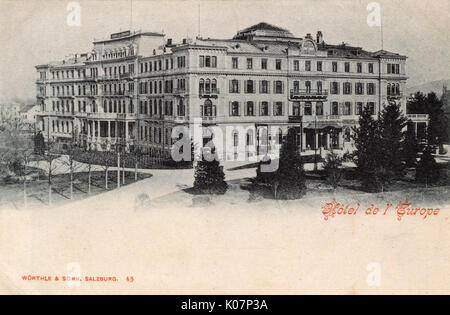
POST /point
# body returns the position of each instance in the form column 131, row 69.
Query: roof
column 263, row 29
column 385, row 53
column 263, row 26
column 26, row 108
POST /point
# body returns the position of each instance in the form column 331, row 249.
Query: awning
column 323, row 125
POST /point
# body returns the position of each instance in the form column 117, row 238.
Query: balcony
column 64, row 113
column 126, row 75
column 180, row 119
column 109, row 77
column 309, row 94
column 179, row 91
column 295, row 119
column 396, row 96
column 209, row 93
column 418, row 117
column 126, row 116
column 114, row 93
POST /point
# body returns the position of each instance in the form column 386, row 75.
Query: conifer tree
column 289, row 179
column 367, row 143
column 391, row 124
column 209, row 176
column 427, row 170
column 410, row 146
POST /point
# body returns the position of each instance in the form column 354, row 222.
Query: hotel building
column 133, row 88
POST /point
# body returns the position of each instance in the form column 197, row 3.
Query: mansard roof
column 263, row 29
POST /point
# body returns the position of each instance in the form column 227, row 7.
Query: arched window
column 397, row 89
column 280, row 136
column 213, row 85
column 208, row 109
column 208, row 85
column 235, row 138
column 250, row 137
column 389, row 89
column 201, row 85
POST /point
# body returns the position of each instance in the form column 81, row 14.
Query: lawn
column 240, row 193
column 11, row 191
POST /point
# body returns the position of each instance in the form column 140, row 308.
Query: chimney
column 169, row 42
column 309, row 36
column 319, row 37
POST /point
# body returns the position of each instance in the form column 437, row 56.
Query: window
column 250, row 137
column 319, row 65
column 296, row 86
column 370, row 89
column 308, row 109
column 249, row 63
column 264, row 87
column 235, row 138
column 347, row 88
column 347, row 108
column 371, row 106
column 278, row 109
column 296, row 65
column 278, row 64
column 359, row 67
column 370, row 67
column 278, row 87
column 335, row 108
column 250, row 110
column 335, row 66
column 334, row 88
column 235, row 62
column 347, row 67
column 296, row 109
column 308, row 86
column 319, row 87
column 207, row 61
column 319, row 108
column 234, row 86
column 208, row 109
column 358, row 108
column 359, row 88
column 264, row 64
column 308, row 65
column 264, row 109
column 201, row 85
column 234, row 109
column 249, row 86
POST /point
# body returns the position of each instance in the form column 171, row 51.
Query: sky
column 36, row 31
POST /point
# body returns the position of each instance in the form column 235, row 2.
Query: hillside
column 435, row 86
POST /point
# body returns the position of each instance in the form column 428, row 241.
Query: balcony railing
column 114, row 93
column 395, row 96
column 418, row 117
column 308, row 93
column 209, row 93
column 125, row 75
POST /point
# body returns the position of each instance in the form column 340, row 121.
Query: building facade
column 134, row 88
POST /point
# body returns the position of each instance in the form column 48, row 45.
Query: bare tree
column 16, row 149
column 50, row 156
column 106, row 159
column 73, row 153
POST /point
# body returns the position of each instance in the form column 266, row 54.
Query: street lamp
column 315, row 143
